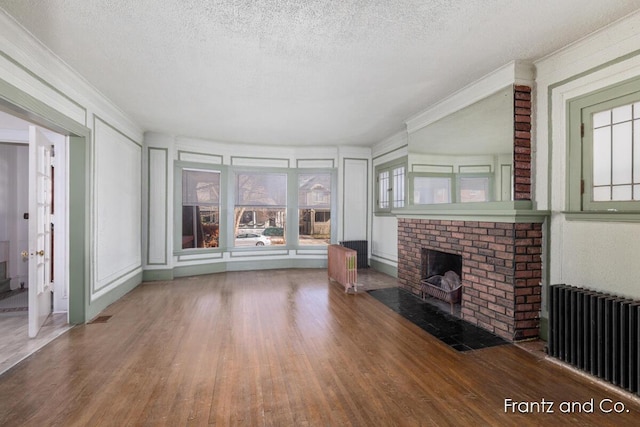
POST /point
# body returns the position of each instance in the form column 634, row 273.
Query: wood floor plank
column 275, row 348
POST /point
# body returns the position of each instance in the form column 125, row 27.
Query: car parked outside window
column 251, row 239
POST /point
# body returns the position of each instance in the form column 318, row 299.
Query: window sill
column 602, row 216
column 522, row 211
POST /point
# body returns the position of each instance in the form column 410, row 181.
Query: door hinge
column 582, row 186
column 581, row 130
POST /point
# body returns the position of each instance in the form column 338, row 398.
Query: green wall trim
column 98, row 305
column 383, row 258
column 451, row 168
column 265, row 159
column 200, row 269
column 197, row 153
column 276, row 264
column 519, row 211
column 221, row 267
column 550, row 123
column 157, row 275
column 298, row 161
column 166, row 205
column 603, row 216
column 79, row 233
column 385, row 268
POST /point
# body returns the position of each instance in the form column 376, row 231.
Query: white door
column 40, row 197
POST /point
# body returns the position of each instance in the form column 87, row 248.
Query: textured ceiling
column 311, row 72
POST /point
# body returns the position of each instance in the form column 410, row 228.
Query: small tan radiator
column 343, row 266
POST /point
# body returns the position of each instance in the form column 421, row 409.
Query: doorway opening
column 18, row 283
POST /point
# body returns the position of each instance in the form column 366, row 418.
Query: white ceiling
column 293, row 72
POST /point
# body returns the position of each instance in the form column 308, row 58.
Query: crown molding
column 35, row 58
column 515, row 72
column 392, row 143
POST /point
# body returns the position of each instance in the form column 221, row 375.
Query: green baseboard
column 157, row 275
column 96, row 306
column 390, row 270
column 200, row 269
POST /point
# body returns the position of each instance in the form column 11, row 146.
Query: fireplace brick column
column 522, row 142
column 501, row 269
column 528, row 278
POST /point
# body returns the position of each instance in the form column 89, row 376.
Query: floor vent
column 596, row 332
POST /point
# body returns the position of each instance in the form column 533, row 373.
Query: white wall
column 384, row 229
column 7, row 192
column 594, row 254
column 117, row 220
column 13, row 203
column 354, row 193
column 115, row 160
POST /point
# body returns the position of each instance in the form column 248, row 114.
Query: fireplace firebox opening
column 441, row 278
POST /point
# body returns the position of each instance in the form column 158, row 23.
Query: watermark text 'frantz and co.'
column 543, row 406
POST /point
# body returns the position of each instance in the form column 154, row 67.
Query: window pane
column 429, row 190
column 614, row 169
column 621, row 192
column 314, row 190
column 199, row 187
column 398, row 187
column 602, row 156
column 621, row 114
column 602, row 118
column 200, row 227
column 601, row 194
column 261, row 189
column 474, row 189
column 314, row 214
column 622, row 159
column 200, row 209
column 314, row 226
column 383, row 186
column 259, row 226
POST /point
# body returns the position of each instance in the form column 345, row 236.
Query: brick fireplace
column 501, row 269
column 501, row 260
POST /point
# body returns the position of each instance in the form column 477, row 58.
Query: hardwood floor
column 280, row 348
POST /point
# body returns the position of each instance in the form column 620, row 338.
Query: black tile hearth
column 455, row 332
